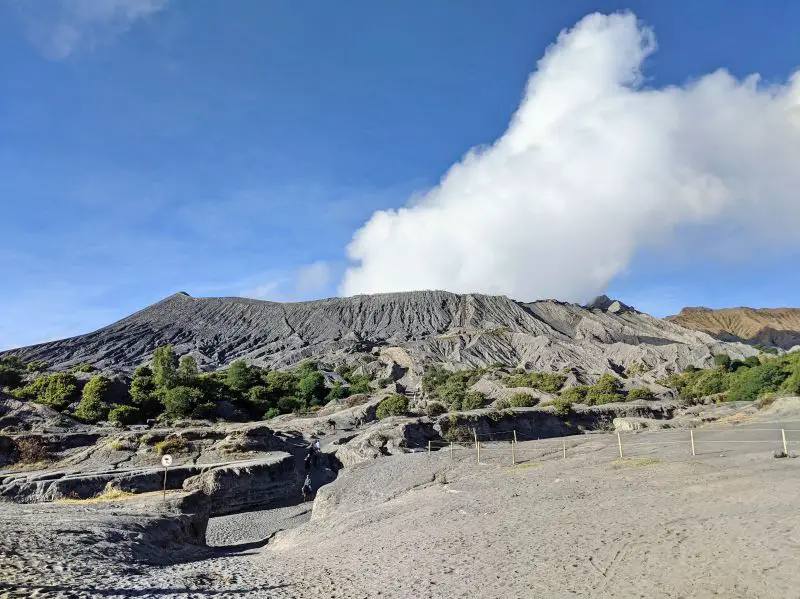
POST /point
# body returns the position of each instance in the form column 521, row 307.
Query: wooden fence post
column 785, row 444
column 619, row 442
column 451, row 450
column 564, row 447
column 429, row 448
column 691, row 436
column 513, row 454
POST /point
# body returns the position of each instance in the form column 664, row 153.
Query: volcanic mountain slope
column 779, row 327
column 407, row 330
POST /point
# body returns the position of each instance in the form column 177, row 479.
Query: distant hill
column 401, row 331
column 778, row 327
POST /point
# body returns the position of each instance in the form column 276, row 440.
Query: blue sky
column 234, row 148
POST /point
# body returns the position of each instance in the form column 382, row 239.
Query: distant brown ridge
column 778, row 327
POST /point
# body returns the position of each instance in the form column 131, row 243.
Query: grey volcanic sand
column 660, row 523
column 256, row 525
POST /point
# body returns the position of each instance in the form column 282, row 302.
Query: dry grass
column 635, row 462
column 522, row 466
column 111, row 495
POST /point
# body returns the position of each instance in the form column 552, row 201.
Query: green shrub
column 522, row 400
column 204, row 410
column 562, row 406
column 337, row 391
column 473, row 400
column 384, row 382
column 56, row 390
column 271, row 413
column 434, row 409
column 722, row 361
column 124, row 414
column 395, row 405
column 748, row 384
column 173, row 445
column 458, row 434
column 180, row 402
column 86, row 368
column 359, row 384
column 39, row 366
column 608, row 389
column 549, row 382
column 600, row 398
column 9, row 377
column 640, row 393
column 766, row 349
column 502, row 404
column 576, row 394
column 93, row 406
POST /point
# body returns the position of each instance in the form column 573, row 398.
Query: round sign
column 166, row 460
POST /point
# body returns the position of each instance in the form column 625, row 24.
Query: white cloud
column 58, row 28
column 593, row 168
column 313, row 277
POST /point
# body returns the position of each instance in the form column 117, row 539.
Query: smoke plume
column 593, row 168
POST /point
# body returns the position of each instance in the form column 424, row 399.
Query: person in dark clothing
column 307, row 462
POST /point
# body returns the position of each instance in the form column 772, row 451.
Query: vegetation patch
column 735, row 380
column 548, row 382
column 173, row 445
column 112, row 494
column 395, row 405
column 31, row 450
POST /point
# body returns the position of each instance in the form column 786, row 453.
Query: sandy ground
column 659, row 523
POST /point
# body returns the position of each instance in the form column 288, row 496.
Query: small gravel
column 250, row 527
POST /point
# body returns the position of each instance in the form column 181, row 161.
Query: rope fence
column 507, row 442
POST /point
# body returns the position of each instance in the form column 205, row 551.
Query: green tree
column 290, row 404
column 259, row 400
column 394, row 405
column 312, row 387
column 93, row 406
column 239, row 378
column 143, row 392
column 187, row 369
column 181, row 401
column 792, row 384
column 165, row 367
column 281, row 383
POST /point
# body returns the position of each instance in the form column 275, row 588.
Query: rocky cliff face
column 407, row 330
column 779, row 327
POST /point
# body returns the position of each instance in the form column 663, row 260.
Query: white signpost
column 166, row 461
